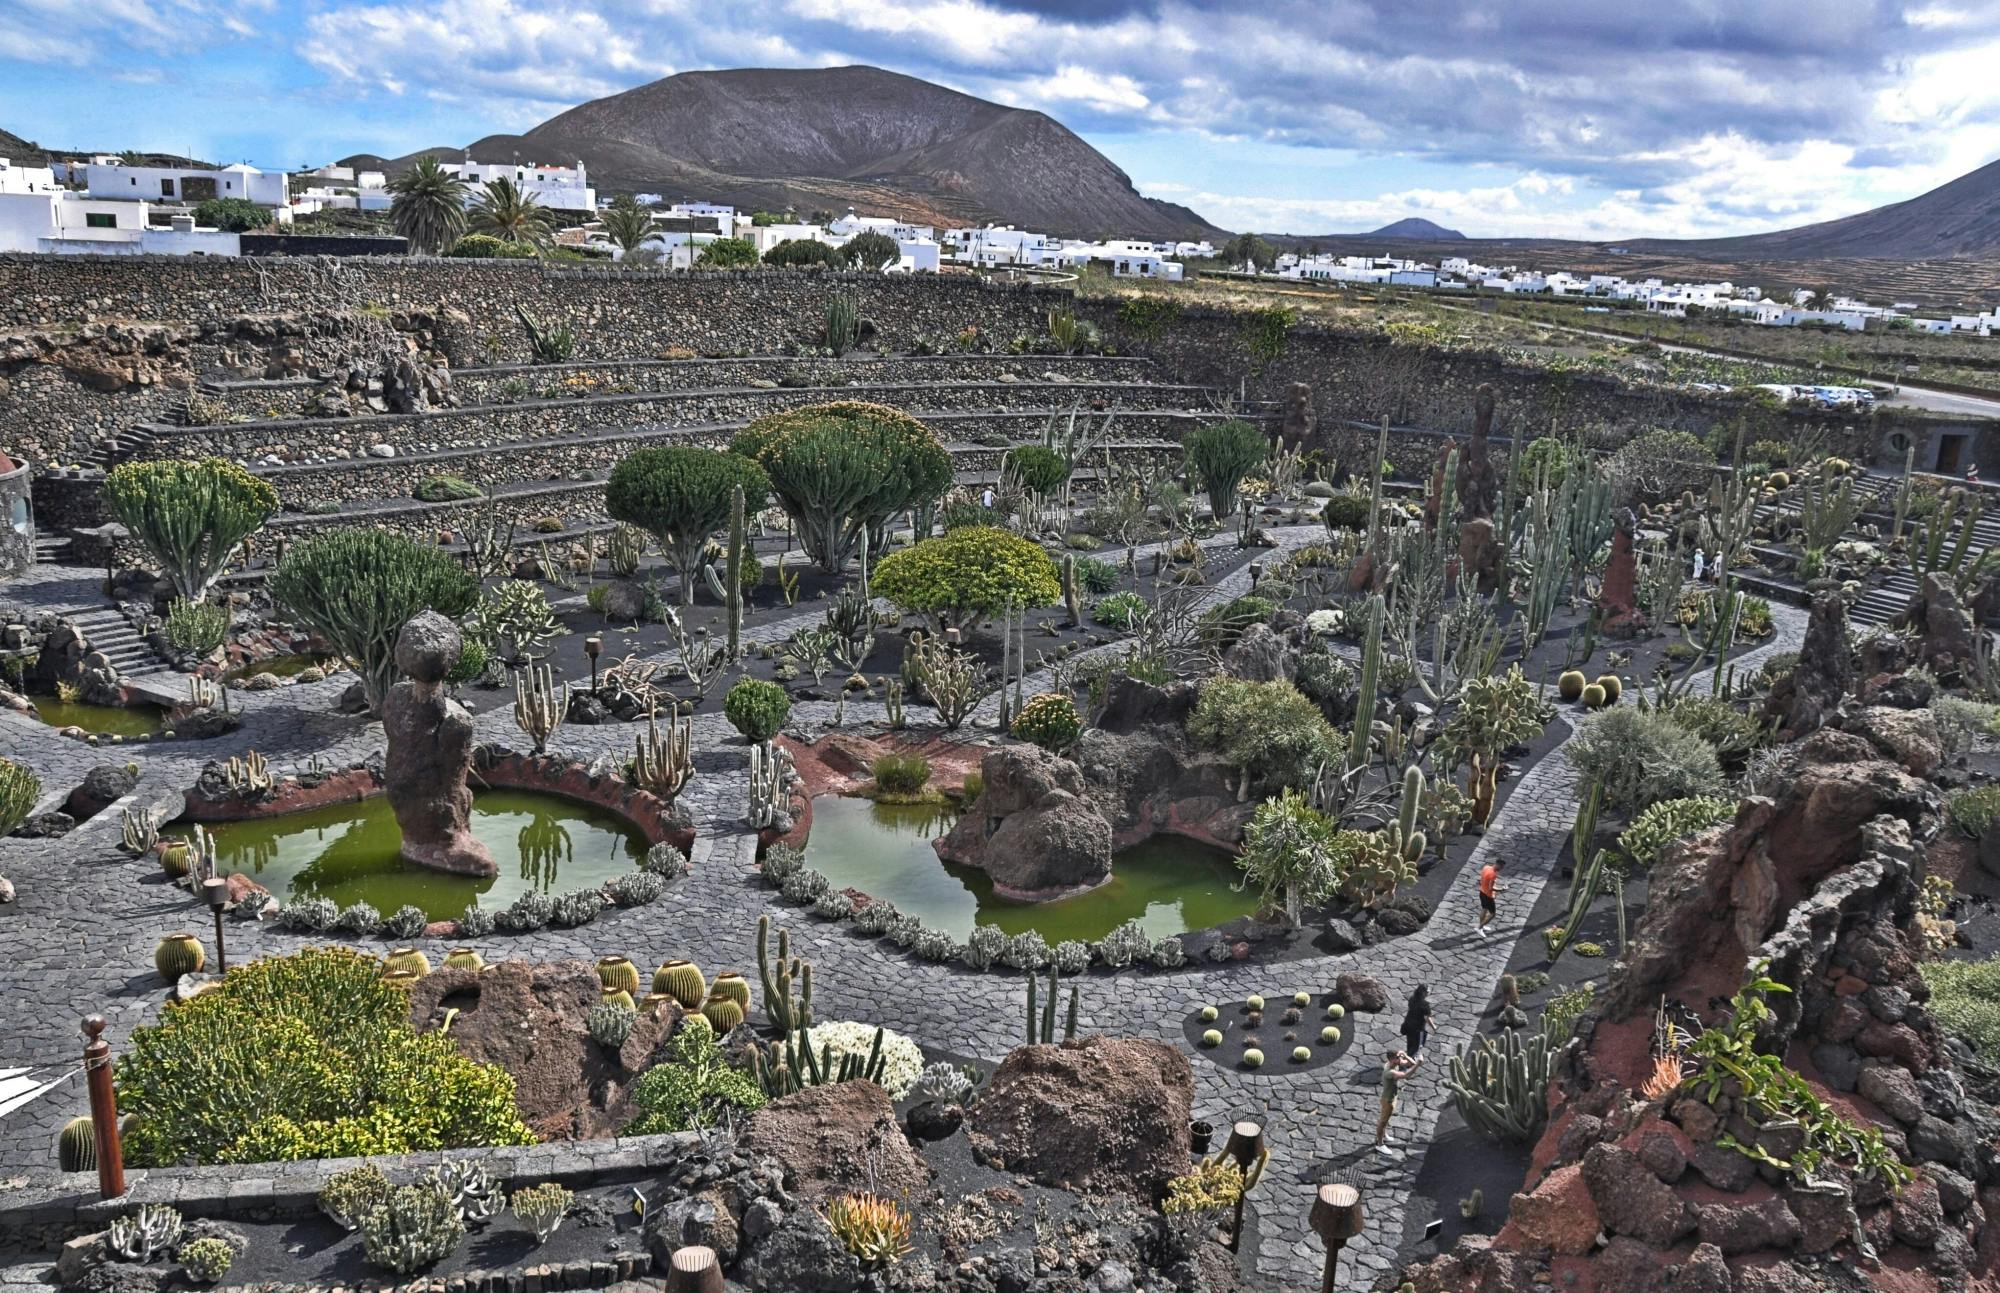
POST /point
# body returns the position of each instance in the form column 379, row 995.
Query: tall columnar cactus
column 788, row 1013
column 1587, row 882
column 200, row 857
column 1375, row 468
column 1404, row 837
column 788, row 1066
column 1072, row 600
column 771, row 778
column 1903, row 495
column 1501, row 1087
column 138, row 832
column 663, row 763
column 539, row 709
column 733, row 598
column 843, row 322
column 1042, row 1021
column 249, row 775
column 1371, row 668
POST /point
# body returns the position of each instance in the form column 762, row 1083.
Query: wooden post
column 1246, row 1146
column 1336, row 1218
column 694, row 1269
column 103, row 1109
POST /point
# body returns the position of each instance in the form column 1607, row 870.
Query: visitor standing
column 1489, row 893
column 1700, row 560
column 1396, row 1069
column 1417, row 1020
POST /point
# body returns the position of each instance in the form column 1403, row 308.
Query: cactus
column 786, row 1012
column 788, row 583
column 1472, row 1204
column 1593, row 697
column 1072, row 600
column 538, row 709
column 413, row 1227
column 138, row 832
column 1612, row 686
column 1586, row 882
column 1371, row 667
column 177, row 956
column 723, row 1013
column 733, row 600
column 618, row 972
column 206, row 1260
column 770, row 787
column 541, row 1208
column 1570, row 685
column 203, row 693
column 76, row 1146
column 407, row 958
column 141, row 1236
column 892, row 700
column 469, row 1188
column 784, row 1067
column 1501, row 1088
column 682, row 981
column 1042, row 1023
column 249, row 775
column 349, row 1196
column 1903, row 496
column 1405, row 839
column 662, row 765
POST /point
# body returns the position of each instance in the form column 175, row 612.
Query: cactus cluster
column 1042, row 1023
column 782, row 1068
column 470, row 1190
column 1501, row 1087
column 152, row 1231
column 683, row 981
column 541, row 1208
column 412, row 1227
column 663, row 763
column 538, row 708
column 788, row 1012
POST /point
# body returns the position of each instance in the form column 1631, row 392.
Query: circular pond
column 1171, row 885
column 102, row 720
column 347, row 853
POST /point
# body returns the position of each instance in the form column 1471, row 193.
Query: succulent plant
column 1253, row 1058
column 463, row 958
column 732, row 985
column 475, row 922
column 1209, row 1014
column 1071, row 956
column 609, row 1023
column 1211, row 1038
column 140, row 1236
column 541, row 1208
column 1300, row 1054
column 1329, row 1035
column 1336, row 1011
column 722, row 1013
column 413, row 1227
column 682, row 981
column 1253, row 1002
column 410, row 959
column 206, row 1260
column 350, row 1195
column 1593, row 697
column 1613, row 687
column 1302, row 999
column 359, row 918
column 469, row 1188
column 76, row 1146
column 407, row 921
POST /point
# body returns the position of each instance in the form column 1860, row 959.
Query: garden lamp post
column 103, row 1109
column 215, row 892
column 593, row 646
column 1256, row 574
column 1247, row 1146
column 1336, row 1218
column 694, row 1269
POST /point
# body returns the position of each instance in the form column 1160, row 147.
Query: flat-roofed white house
column 68, row 223
column 559, row 188
column 852, row 225
column 189, row 184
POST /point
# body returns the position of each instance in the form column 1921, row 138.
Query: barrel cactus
column 1612, row 685
column 733, row 986
column 618, row 972
column 178, row 956
column 410, row 959
column 1570, row 685
column 1593, row 697
column 76, row 1146
column 1253, row 1058
column 722, row 1013
column 682, row 981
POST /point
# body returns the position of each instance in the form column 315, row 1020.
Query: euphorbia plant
column 1490, row 714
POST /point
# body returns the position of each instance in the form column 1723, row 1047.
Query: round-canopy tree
column 1222, row 454
column 358, row 588
column 796, row 253
column 1038, row 468
column 427, row 205
column 967, row 574
column 680, row 495
column 871, row 250
column 844, row 467
column 728, row 253
column 192, row 516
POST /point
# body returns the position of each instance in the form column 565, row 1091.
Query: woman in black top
column 1417, row 1019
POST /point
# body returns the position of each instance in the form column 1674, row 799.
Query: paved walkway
column 81, row 936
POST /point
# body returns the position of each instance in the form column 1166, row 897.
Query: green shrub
column 973, row 787
column 798, row 253
column 305, row 1056
column 690, row 1089
column 444, row 488
column 1120, row 611
column 1345, row 512
column 357, row 588
column 1670, row 820
column 1093, row 576
column 845, row 467
column 680, row 494
column 757, row 709
column 1961, row 721
column 1544, row 453
column 191, row 516
column 1753, row 619
column 231, row 215
column 1965, row 998
column 871, row 251
column 484, row 246
column 1222, row 454
column 728, row 253
column 1269, row 730
column 1038, row 468
column 1974, row 809
column 1657, row 465
column 1643, row 757
column 1227, row 622
column 1049, row 720
column 1731, row 732
column 967, row 575
column 19, row 789
column 199, row 627
column 901, row 775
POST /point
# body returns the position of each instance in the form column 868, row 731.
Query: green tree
column 1269, row 730
column 357, row 588
column 872, row 251
column 797, row 253
column 507, row 212
column 967, row 575
column 843, row 468
column 1222, row 454
column 1248, row 248
column 231, row 215
column 427, row 205
column 680, row 494
column 729, row 253
column 192, row 516
column 627, row 224
column 1293, row 854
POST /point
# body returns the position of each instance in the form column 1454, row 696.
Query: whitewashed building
column 852, row 225
column 68, row 223
column 188, row 184
column 559, row 188
column 26, row 179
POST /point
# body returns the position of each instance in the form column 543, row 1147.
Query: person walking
column 1417, row 1020
column 1489, row 893
column 1396, row 1069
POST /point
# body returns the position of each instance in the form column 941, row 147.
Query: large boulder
column 528, row 1018
column 835, row 1138
column 1107, row 1114
column 101, row 787
column 1033, row 829
column 1947, row 637
column 1804, row 699
column 1630, row 1200
column 1259, row 654
column 1908, row 736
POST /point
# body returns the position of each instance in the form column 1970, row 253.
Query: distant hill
column 20, row 152
column 829, row 138
column 1416, row 227
column 1961, row 218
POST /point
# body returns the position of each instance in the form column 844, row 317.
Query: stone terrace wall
column 616, row 314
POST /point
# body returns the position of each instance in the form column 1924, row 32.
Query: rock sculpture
column 430, row 751
column 1033, row 829
column 1948, row 636
column 1618, row 604
column 1478, row 483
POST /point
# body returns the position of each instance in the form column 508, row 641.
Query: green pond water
column 106, row 720
column 1172, row 885
column 347, row 853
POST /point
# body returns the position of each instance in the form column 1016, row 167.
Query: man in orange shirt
column 1489, row 887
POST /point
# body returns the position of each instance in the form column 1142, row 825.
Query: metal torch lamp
column 215, row 892
column 593, row 646
column 1336, row 1218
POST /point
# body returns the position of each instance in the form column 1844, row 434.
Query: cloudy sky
column 1576, row 118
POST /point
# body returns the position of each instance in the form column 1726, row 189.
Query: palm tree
column 428, row 205
column 507, row 213
column 628, row 225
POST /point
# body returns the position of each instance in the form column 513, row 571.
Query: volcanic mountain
column 825, row 139
column 1415, row 227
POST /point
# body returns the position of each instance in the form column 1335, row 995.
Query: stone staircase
column 109, row 632
column 53, row 549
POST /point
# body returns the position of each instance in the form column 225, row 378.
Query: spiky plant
column 505, row 211
column 427, row 206
column 190, row 515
